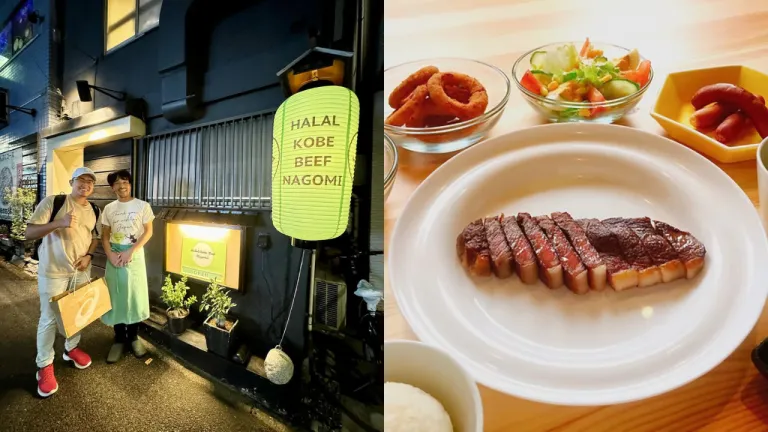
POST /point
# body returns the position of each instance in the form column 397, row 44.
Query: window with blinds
column 224, row 165
column 128, row 19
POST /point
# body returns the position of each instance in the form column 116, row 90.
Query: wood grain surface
column 674, row 35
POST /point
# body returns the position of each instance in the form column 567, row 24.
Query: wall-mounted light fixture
column 4, row 107
column 84, row 91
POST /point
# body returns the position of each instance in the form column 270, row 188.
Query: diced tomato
column 594, row 95
column 644, row 71
column 641, row 75
column 585, row 48
column 531, row 83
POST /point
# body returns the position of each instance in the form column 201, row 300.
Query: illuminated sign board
column 205, row 252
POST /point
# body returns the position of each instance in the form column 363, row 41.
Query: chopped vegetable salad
column 586, row 75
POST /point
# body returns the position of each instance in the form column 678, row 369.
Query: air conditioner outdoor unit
column 330, row 301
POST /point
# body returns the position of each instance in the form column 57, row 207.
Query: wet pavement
column 127, row 396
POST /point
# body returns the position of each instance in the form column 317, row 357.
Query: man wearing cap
column 69, row 239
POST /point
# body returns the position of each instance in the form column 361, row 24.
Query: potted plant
column 21, row 202
column 219, row 329
column 178, row 306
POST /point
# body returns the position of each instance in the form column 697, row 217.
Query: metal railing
column 222, row 165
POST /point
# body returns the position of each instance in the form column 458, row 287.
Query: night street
column 126, row 396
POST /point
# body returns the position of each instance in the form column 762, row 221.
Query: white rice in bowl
column 408, row 408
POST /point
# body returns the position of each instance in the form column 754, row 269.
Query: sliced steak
column 589, row 256
column 574, row 272
column 689, row 248
column 550, row 270
column 634, row 252
column 472, row 248
column 525, row 259
column 501, row 254
column 621, row 275
column 661, row 252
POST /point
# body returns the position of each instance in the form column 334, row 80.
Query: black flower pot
column 220, row 341
column 177, row 326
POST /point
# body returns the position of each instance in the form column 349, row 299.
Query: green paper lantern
column 313, row 162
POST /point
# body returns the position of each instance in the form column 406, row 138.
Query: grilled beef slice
column 689, row 248
column 550, row 269
column 661, row 252
column 472, row 248
column 501, row 254
column 574, row 272
column 525, row 259
column 634, row 252
column 589, row 256
column 621, row 275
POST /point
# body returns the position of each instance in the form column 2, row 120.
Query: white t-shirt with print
column 126, row 220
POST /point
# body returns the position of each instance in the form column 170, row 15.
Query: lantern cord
column 295, row 290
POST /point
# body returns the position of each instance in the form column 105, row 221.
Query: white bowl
column 439, row 375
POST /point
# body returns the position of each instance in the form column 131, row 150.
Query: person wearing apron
column 127, row 227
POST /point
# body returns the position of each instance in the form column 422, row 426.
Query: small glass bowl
column 566, row 111
column 390, row 165
column 456, row 136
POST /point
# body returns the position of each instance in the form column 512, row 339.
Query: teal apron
column 127, row 289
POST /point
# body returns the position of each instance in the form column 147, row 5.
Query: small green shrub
column 21, row 202
column 173, row 296
column 218, row 302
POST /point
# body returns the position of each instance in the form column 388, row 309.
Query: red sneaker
column 78, row 357
column 46, row 382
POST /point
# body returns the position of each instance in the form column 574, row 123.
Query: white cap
column 83, row 171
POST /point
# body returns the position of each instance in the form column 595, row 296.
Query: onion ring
column 410, row 107
column 429, row 114
column 478, row 98
column 409, row 85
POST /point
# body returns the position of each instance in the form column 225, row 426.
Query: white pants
column 46, row 328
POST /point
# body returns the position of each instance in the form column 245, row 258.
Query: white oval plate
column 600, row 348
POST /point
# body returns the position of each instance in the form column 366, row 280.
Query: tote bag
column 77, row 307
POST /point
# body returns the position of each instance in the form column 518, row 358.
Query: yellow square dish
column 673, row 109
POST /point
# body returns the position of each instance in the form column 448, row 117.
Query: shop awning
column 101, row 125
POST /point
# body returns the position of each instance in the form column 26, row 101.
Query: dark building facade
column 201, row 82
column 28, row 77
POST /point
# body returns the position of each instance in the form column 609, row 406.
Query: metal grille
column 223, row 165
column 327, row 301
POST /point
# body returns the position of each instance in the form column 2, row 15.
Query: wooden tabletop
column 674, row 35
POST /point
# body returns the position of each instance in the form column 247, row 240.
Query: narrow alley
column 130, row 395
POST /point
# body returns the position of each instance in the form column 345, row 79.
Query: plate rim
column 546, row 396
